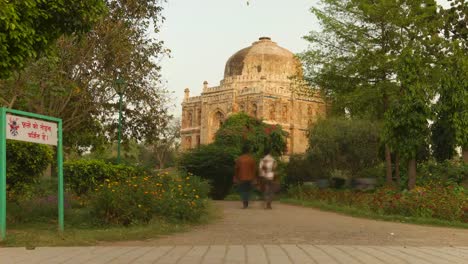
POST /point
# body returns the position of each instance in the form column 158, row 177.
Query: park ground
column 286, row 234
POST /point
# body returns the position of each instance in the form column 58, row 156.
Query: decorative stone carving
column 284, row 113
column 254, row 110
column 190, row 119
column 272, row 111
column 199, row 116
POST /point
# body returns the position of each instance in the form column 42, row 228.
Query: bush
column 448, row 172
column 434, row 201
column 26, row 162
column 431, row 201
column 350, row 145
column 35, row 203
column 241, row 130
column 140, row 199
column 214, row 163
column 301, row 169
column 81, row 176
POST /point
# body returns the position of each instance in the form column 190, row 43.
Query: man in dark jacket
column 244, row 175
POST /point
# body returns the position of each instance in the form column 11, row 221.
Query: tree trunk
column 411, row 173
column 388, row 165
column 397, row 168
column 465, row 154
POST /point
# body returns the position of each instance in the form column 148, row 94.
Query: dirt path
column 288, row 224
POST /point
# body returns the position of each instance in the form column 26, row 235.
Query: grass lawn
column 352, row 211
column 79, row 232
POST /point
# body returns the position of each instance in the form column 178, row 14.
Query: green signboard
column 29, row 127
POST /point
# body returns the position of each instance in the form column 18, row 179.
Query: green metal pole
column 60, row 177
column 120, row 127
column 2, row 173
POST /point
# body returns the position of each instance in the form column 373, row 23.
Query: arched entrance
column 216, row 120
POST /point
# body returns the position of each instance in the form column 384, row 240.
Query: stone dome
column 263, row 59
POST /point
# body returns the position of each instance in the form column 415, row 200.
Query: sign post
column 29, row 127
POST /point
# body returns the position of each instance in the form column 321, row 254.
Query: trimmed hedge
column 213, row 163
column 26, row 162
column 81, row 176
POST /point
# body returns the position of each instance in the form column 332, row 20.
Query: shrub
column 26, row 162
column 301, row 168
column 241, row 130
column 139, row 199
column 448, row 172
column 35, row 203
column 214, row 163
column 84, row 175
column 345, row 144
column 433, row 201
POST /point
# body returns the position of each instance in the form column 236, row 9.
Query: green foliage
column 76, row 81
column 448, row 172
column 241, row 130
column 214, row 163
column 451, row 108
column 301, row 168
column 350, row 145
column 406, row 125
column 28, row 27
column 26, row 162
column 139, row 199
column 82, row 176
column 431, row 201
column 442, row 138
column 36, row 202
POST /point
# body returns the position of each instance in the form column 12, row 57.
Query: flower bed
column 431, row 201
column 139, row 199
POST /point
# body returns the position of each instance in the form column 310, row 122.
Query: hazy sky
column 203, row 34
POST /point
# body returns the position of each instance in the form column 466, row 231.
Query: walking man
column 244, row 175
column 269, row 178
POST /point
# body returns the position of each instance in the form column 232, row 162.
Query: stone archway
column 216, row 120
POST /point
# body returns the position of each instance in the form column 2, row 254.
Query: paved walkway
column 286, row 234
column 288, row 224
column 252, row 254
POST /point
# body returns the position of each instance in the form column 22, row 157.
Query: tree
column 357, row 60
column 166, row 143
column 76, row 82
column 406, row 125
column 29, row 27
column 241, row 130
column 353, row 58
column 215, row 161
column 349, row 145
column 452, row 105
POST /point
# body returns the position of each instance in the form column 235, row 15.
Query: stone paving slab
column 238, row 254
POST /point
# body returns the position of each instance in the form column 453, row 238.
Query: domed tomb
column 262, row 59
column 264, row 81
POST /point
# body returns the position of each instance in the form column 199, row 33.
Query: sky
column 203, row 34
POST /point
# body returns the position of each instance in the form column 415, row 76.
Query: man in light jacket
column 269, row 178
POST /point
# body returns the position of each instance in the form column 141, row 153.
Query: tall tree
column 165, row 143
column 353, row 58
column 452, row 104
column 76, row 83
column 357, row 58
column 29, row 27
